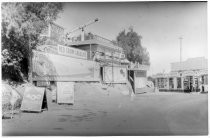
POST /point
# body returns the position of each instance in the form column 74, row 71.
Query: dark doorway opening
column 101, row 73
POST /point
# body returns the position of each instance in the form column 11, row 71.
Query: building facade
column 100, row 49
column 110, row 57
column 188, row 76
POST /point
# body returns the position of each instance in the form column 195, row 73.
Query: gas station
column 187, row 76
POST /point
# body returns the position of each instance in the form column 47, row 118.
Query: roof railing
column 94, row 37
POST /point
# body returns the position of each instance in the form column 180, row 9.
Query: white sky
column 159, row 23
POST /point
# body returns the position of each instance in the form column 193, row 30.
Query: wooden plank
column 115, row 74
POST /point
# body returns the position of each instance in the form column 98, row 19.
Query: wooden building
column 100, row 49
column 111, row 58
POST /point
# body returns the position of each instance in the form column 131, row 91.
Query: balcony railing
column 94, row 37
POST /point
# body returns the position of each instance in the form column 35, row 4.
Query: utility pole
column 180, row 73
column 180, row 39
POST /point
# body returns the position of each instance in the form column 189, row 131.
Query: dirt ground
column 111, row 111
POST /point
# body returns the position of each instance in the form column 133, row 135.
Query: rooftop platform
column 97, row 40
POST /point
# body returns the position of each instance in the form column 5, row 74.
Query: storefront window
column 179, row 83
column 161, row 82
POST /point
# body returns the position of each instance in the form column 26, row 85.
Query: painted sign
column 63, row 50
column 140, row 82
column 65, row 92
column 33, row 99
column 140, row 78
column 195, row 73
column 53, row 67
column 42, row 83
column 115, row 74
column 137, row 66
column 72, row 52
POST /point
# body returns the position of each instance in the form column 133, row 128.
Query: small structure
column 137, row 76
column 188, row 76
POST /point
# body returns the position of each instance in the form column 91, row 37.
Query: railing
column 93, row 37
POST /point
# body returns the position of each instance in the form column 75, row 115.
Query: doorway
column 101, row 73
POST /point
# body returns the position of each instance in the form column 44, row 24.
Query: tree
column 22, row 24
column 131, row 43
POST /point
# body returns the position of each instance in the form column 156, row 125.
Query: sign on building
column 72, row 52
column 42, row 83
column 65, row 92
column 33, row 99
column 63, row 50
column 54, row 67
column 114, row 74
column 140, row 78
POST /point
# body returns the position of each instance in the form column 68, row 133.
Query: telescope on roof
column 82, row 28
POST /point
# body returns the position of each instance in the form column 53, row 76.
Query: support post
column 167, row 83
column 193, row 83
column 156, row 83
column 90, row 51
column 182, row 83
column 175, row 83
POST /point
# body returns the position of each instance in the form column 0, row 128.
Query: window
column 161, row 82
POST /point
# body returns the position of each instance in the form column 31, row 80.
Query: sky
column 159, row 23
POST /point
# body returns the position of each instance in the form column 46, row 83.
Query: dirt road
column 111, row 113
